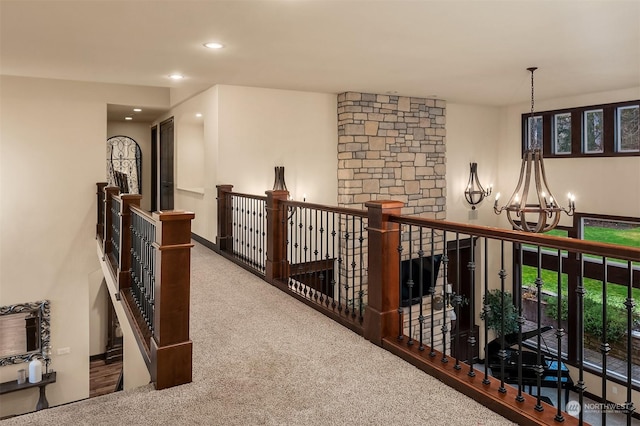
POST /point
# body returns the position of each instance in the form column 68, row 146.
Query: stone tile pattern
column 392, row 147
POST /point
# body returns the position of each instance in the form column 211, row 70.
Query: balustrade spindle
column 581, row 386
column 248, row 218
column 410, row 287
column 629, row 304
column 340, row 263
column 143, row 259
column 400, row 311
column 432, row 292
column 559, row 333
column 458, row 300
column 333, row 245
column 539, row 369
column 472, row 307
column 421, row 291
column 445, row 281
column 115, row 230
column 485, row 310
column 520, row 321
column 502, row 353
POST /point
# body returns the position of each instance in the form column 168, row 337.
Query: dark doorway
column 166, row 165
column 154, row 168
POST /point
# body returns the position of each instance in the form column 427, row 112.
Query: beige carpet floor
column 263, row 358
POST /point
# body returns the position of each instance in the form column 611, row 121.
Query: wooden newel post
column 381, row 318
column 109, row 193
column 124, row 271
column 224, row 240
column 276, row 236
column 171, row 348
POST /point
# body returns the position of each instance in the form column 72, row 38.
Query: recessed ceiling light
column 213, row 45
column 176, row 76
column 198, row 115
column 137, row 110
column 128, row 118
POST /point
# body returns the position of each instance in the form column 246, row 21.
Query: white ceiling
column 463, row 51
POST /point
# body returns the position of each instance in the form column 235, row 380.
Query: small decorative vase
column 35, row 371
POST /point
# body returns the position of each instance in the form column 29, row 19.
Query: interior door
column 154, row 168
column 166, row 165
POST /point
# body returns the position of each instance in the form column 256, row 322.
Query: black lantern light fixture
column 474, row 192
column 543, row 213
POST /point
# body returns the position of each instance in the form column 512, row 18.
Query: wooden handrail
column 562, row 243
column 321, row 207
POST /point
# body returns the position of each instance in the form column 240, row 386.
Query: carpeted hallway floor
column 262, row 358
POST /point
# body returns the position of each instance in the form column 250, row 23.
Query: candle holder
column 475, row 193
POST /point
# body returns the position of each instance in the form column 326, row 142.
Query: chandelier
column 542, row 213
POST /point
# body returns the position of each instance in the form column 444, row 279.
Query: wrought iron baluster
column 432, row 291
column 604, row 345
column 333, row 253
column 323, row 273
column 340, row 262
column 629, row 304
column 290, row 241
column 520, row 321
column 361, row 291
column 472, row 307
column 445, row 327
column 580, row 386
column 353, row 266
column 410, row 288
column 458, row 302
column 421, row 288
column 485, row 310
column 502, row 353
column 400, row 311
column 559, row 333
column 307, row 255
column 346, row 266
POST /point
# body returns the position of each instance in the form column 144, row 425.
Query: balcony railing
column 422, row 288
column 148, row 257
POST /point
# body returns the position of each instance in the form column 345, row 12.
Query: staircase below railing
column 148, row 257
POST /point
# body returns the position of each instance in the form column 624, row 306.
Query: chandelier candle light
column 543, row 214
column 475, row 193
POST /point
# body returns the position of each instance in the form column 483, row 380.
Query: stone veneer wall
column 392, row 147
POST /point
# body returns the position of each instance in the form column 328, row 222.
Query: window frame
column 570, row 266
column 555, row 133
column 618, row 140
column 610, row 131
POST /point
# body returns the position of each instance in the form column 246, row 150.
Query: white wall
column 247, row 132
column 473, row 134
column 52, row 153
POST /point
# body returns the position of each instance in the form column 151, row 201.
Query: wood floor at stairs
column 103, row 377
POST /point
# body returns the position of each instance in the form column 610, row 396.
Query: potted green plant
column 499, row 311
